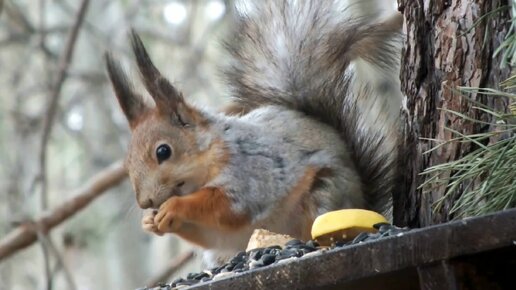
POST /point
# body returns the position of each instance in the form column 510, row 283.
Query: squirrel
column 298, row 140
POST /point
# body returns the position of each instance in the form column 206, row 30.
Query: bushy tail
column 301, row 54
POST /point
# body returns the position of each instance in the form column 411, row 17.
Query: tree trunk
column 449, row 43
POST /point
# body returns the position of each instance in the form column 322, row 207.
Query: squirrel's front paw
column 148, row 222
column 166, row 219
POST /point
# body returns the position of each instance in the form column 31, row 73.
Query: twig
column 175, row 265
column 42, row 237
column 49, row 244
column 90, row 27
column 46, row 259
column 14, row 13
column 42, row 23
column 26, row 234
column 63, row 64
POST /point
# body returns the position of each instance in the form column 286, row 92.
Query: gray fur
column 304, row 55
column 270, row 148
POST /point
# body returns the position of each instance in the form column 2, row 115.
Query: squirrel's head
column 172, row 150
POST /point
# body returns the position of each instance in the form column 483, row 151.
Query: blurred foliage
column 103, row 246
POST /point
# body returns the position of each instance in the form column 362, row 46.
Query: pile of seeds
column 262, row 257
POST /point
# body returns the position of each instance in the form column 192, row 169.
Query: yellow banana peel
column 344, row 225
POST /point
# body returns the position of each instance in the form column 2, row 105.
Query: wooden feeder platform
column 474, row 253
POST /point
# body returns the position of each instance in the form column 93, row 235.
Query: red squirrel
column 305, row 134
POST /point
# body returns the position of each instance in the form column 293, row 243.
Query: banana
column 344, row 225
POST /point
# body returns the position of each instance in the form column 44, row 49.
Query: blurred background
column 60, row 125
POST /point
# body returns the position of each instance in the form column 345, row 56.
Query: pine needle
column 484, row 180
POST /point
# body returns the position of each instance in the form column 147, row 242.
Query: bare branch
column 46, row 259
column 49, row 244
column 42, row 23
column 175, row 265
column 26, row 234
column 16, row 16
column 64, row 63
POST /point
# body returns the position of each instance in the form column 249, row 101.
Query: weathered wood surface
column 448, row 44
column 392, row 263
column 439, row 275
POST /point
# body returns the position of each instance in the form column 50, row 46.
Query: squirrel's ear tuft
column 132, row 104
column 167, row 98
column 169, row 101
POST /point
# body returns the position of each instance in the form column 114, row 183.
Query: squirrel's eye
column 163, row 152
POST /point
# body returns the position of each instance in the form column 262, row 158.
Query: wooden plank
column 416, row 248
column 437, row 276
column 493, row 270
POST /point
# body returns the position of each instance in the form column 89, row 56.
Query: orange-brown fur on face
column 209, row 207
column 197, row 153
column 193, row 161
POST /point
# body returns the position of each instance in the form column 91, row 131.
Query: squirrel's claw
column 166, row 218
column 148, row 222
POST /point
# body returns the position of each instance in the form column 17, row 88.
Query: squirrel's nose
column 145, row 203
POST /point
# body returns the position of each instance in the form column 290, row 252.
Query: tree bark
column 449, row 43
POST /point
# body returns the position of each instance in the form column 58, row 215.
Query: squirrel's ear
column 132, row 104
column 161, row 90
column 169, row 101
